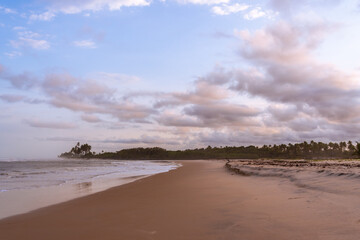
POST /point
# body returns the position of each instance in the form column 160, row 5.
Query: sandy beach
column 201, row 200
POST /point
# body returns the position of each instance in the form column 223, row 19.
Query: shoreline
column 25, row 200
column 201, row 200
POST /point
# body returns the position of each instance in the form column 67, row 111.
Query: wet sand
column 201, row 200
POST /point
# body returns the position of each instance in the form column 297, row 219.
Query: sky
column 176, row 73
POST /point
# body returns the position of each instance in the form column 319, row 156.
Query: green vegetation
column 305, row 150
column 79, row 151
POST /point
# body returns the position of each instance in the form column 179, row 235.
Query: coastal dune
column 200, row 200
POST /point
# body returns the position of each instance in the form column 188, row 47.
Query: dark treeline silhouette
column 304, row 150
column 83, row 150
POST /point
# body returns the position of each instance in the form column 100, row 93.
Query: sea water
column 28, row 185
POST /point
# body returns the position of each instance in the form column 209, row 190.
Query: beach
column 200, row 200
column 27, row 185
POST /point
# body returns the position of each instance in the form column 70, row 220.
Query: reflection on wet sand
column 84, row 187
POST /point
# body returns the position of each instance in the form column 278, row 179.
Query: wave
column 35, row 174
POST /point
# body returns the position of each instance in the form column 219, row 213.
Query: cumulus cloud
column 28, row 42
column 88, row 96
column 306, row 99
column 73, row 7
column 226, row 9
column 289, row 96
column 207, row 90
column 223, row 115
column 45, row 16
column 258, row 12
column 288, row 73
column 23, row 80
column 30, row 39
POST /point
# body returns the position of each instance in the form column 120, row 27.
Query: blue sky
column 176, row 74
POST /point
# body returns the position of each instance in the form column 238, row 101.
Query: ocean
column 31, row 184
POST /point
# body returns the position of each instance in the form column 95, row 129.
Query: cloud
column 85, row 44
column 211, row 117
column 289, row 7
column 203, row 2
column 177, row 120
column 7, row 10
column 11, row 98
column 304, row 98
column 73, row 7
column 288, row 73
column 145, row 139
column 281, row 93
column 223, row 115
column 258, row 12
column 90, row 33
column 50, row 125
column 30, row 39
column 90, row 118
column 116, row 77
column 25, row 80
column 13, row 54
column 88, row 96
column 63, row 139
column 283, row 113
column 28, row 42
column 226, row 9
column 45, row 16
column 207, row 90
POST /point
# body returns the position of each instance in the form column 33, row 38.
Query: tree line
column 304, row 150
column 79, row 151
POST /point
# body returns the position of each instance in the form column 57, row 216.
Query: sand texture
column 201, row 200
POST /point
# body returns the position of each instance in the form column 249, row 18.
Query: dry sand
column 201, row 200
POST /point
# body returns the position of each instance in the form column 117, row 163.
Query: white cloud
column 13, row 54
column 30, row 39
column 7, row 10
column 203, row 2
column 46, row 16
column 29, row 34
column 85, row 44
column 226, row 9
column 73, row 7
column 33, row 43
column 258, row 12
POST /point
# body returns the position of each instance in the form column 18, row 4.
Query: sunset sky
column 176, row 73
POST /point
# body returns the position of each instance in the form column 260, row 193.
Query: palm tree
column 357, row 149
